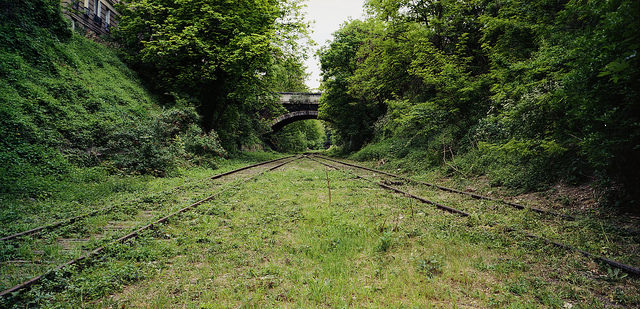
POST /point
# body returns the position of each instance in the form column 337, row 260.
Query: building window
column 97, row 11
column 108, row 17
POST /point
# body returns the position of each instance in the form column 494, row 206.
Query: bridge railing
column 299, row 98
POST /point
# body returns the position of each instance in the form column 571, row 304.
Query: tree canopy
column 529, row 92
column 227, row 56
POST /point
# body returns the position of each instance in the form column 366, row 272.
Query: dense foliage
column 300, row 136
column 529, row 92
column 229, row 57
column 67, row 102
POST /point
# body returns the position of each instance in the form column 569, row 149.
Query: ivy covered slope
column 67, row 102
column 527, row 92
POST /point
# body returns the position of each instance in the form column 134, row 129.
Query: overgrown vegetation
column 228, row 57
column 528, row 92
column 278, row 242
column 300, row 136
column 133, row 201
column 67, row 103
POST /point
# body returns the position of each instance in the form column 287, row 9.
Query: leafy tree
column 351, row 116
column 221, row 53
column 528, row 92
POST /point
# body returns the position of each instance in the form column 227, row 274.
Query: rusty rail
column 137, row 232
column 108, row 209
column 385, row 186
column 473, row 195
column 624, row 267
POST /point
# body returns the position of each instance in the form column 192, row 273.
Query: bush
column 375, row 151
column 140, row 149
column 203, row 144
column 156, row 145
column 526, row 164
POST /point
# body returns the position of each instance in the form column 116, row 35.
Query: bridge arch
column 299, row 105
column 278, row 123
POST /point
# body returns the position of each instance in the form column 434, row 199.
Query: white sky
column 326, row 16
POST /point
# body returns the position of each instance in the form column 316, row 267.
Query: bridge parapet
column 304, row 98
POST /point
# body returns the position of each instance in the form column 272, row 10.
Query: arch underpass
column 288, row 118
column 300, row 106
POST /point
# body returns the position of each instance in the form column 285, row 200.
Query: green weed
column 430, row 266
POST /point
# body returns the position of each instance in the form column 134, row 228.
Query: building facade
column 93, row 16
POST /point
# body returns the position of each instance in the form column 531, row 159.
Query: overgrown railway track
column 447, row 189
column 615, row 264
column 16, row 289
column 355, row 172
column 68, row 221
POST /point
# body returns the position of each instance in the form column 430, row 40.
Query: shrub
column 155, row 145
column 141, row 148
column 374, row 151
column 199, row 143
column 527, row 164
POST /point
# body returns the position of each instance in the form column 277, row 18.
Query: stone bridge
column 300, row 106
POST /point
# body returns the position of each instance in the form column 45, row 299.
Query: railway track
column 612, row 263
column 242, row 175
column 67, row 221
column 34, row 251
column 629, row 232
column 451, row 190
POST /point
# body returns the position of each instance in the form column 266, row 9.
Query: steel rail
column 635, row 271
column 624, row 267
column 385, row 186
column 105, row 210
column 473, row 195
column 137, row 232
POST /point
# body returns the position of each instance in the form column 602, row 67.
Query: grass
column 60, row 106
column 593, row 232
column 278, row 242
column 133, row 200
column 93, row 188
